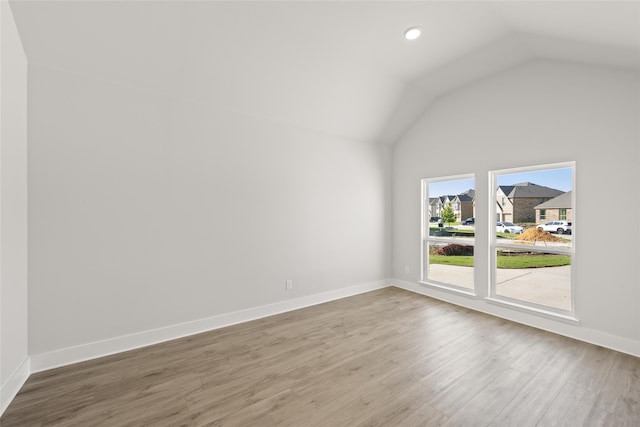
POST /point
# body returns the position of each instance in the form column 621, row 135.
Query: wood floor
column 386, row 358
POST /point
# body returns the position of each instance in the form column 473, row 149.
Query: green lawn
column 460, row 260
column 533, row 261
column 512, row 261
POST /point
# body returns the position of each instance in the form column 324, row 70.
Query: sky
column 560, row 179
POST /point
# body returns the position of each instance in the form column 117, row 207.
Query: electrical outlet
column 406, row 269
column 288, row 285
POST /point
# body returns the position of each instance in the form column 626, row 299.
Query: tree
column 448, row 216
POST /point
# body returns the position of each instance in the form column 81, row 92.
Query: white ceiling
column 339, row 67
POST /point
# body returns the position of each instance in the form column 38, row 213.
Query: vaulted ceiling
column 339, row 67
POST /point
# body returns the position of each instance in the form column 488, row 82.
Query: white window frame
column 492, row 296
column 425, row 238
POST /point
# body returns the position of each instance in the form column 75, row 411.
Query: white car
column 560, row 227
column 508, row 227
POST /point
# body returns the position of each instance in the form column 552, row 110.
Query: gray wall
column 13, row 213
column 539, row 113
column 147, row 212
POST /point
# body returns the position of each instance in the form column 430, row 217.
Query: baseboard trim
column 67, row 356
column 13, row 384
column 575, row 331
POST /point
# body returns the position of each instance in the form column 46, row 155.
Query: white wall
column 14, row 367
column 147, row 212
column 540, row 113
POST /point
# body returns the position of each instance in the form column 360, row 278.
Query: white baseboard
column 66, row 356
column 575, row 331
column 13, row 384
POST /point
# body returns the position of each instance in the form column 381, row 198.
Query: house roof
column 528, row 189
column 470, row 192
column 563, row 201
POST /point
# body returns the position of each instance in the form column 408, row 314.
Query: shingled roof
column 528, row 189
column 470, row 192
column 563, row 201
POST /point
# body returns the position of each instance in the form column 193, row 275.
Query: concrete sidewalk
column 550, row 286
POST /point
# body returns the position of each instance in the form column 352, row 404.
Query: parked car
column 436, row 219
column 469, row 221
column 508, row 227
column 560, row 227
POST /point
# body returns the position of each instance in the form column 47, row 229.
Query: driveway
column 549, row 286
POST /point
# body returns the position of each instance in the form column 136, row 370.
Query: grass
column 506, row 261
column 533, row 261
column 459, row 260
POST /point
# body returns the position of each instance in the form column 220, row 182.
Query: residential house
column 463, row 205
column 435, row 206
column 517, row 202
column 467, row 202
column 558, row 208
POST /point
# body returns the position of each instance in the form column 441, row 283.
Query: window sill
column 452, row 289
column 568, row 318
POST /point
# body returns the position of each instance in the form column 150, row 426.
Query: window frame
column 426, row 238
column 492, row 296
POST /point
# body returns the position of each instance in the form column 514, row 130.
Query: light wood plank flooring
column 384, row 358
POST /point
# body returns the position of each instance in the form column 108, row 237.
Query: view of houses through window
column 532, row 245
column 533, row 241
column 449, row 233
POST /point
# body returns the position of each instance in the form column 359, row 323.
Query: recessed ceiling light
column 412, row 33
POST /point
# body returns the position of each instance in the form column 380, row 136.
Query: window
column 447, row 244
column 531, row 263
